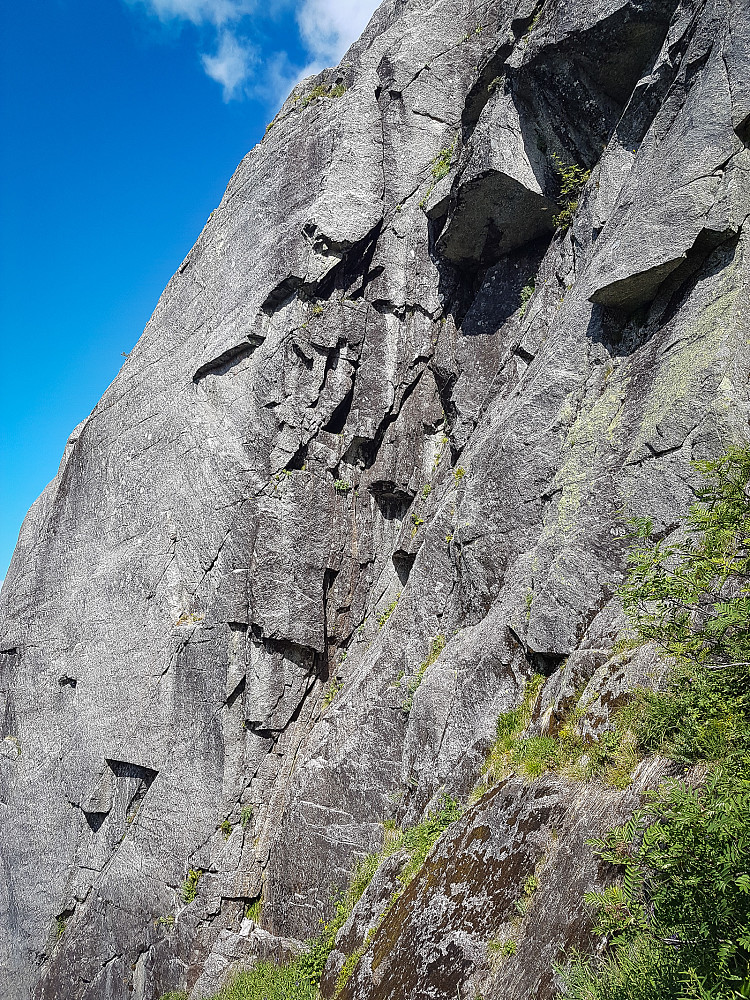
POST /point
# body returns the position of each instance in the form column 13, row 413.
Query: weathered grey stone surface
column 237, row 952
column 341, row 439
column 437, row 940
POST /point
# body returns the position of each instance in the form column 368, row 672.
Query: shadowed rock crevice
column 337, row 421
column 489, row 78
column 605, row 58
column 229, row 359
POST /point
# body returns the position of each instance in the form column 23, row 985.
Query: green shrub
column 572, row 179
column 189, row 888
column 692, row 599
column 246, row 816
column 341, row 485
column 682, row 910
column 642, row 970
column 679, row 918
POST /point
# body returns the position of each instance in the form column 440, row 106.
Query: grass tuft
column 436, row 648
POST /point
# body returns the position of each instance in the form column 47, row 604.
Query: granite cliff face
column 343, row 449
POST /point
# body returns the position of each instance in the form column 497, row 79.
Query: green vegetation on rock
column 572, row 179
column 692, row 599
column 300, row 979
column 385, row 615
column 441, row 165
column 678, row 921
column 268, row 981
column 436, row 648
column 609, row 757
column 526, row 292
column 335, row 685
column 321, row 91
column 189, row 888
column 439, row 169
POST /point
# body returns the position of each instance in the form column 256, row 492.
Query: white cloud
column 233, row 64
column 328, row 27
column 217, row 12
column 278, row 79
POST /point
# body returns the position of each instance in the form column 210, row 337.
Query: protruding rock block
column 500, row 202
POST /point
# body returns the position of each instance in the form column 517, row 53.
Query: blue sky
column 121, row 123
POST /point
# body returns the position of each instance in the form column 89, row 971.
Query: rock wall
column 343, row 448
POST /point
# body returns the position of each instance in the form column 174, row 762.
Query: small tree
column 679, row 920
column 691, row 598
column 685, row 890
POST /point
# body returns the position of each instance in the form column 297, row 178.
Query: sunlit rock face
column 342, row 437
